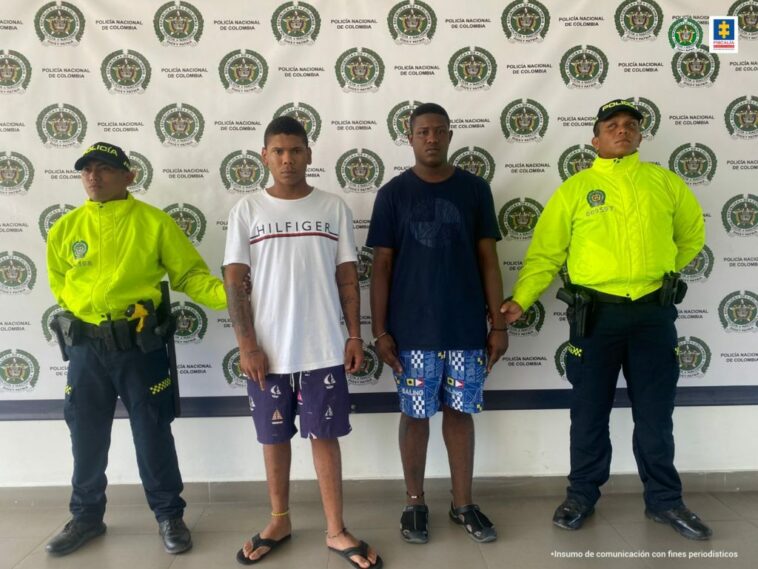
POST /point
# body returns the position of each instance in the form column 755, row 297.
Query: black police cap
column 104, row 152
column 617, row 106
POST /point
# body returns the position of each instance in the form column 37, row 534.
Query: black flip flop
column 362, row 550
column 257, row 542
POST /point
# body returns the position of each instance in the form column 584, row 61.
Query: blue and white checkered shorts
column 431, row 378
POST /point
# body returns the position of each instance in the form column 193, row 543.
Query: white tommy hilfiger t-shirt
column 293, row 248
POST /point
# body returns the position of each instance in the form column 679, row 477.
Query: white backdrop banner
column 187, row 89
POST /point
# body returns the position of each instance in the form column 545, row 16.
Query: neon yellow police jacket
column 620, row 225
column 102, row 257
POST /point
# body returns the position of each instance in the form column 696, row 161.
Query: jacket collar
column 115, row 206
column 605, row 165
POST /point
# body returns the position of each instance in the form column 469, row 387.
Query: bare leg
column 328, row 462
column 413, row 438
column 277, row 458
column 458, row 432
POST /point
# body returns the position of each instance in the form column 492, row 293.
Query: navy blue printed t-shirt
column 437, row 298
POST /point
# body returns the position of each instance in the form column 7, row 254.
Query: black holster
column 149, row 337
column 580, row 305
column 673, row 289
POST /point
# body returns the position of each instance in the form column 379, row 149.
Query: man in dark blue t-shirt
column 435, row 282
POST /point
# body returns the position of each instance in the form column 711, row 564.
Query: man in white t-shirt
column 296, row 243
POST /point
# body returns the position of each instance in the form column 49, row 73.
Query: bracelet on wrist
column 382, row 335
column 354, row 338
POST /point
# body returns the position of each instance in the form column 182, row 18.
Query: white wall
column 509, row 443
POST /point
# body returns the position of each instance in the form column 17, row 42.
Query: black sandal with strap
column 477, row 525
column 414, row 524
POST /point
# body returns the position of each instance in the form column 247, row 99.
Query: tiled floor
column 527, row 539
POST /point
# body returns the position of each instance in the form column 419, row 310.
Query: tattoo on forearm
column 350, row 299
column 240, row 310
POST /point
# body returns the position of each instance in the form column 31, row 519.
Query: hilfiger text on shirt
column 307, row 228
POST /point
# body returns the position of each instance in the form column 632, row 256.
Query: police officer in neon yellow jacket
column 104, row 256
column 619, row 226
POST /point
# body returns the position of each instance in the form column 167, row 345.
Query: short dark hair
column 285, row 125
column 428, row 109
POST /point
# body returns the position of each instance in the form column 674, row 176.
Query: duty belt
column 117, row 335
column 613, row 299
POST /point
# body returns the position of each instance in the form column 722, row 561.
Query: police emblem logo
column 191, row 323
column 412, row 22
column 524, row 120
column 231, row 367
column 639, row 20
column 143, row 173
column 399, row 121
column 475, row 160
column 685, row 34
column 747, row 18
column 360, row 170
column 738, row 311
column 695, row 163
column 296, row 23
column 596, row 198
column 19, row 370
column 472, row 68
column 560, row 358
column 125, row 71
column 699, row 268
column 651, row 116
column 61, row 126
column 242, row 71
column 79, row 249
column 15, row 72
column 365, row 263
column 243, row 171
column 696, row 68
column 16, row 173
column 741, row 118
column 525, row 21
column 359, row 70
column 694, row 356
column 50, row 215
column 17, row 273
column 530, row 323
column 179, row 124
column 189, row 219
column 47, row 320
column 740, row 215
column 178, row 24
column 575, row 159
column 59, row 24
column 584, row 66
column 518, row 217
column 306, row 115
column 371, row 368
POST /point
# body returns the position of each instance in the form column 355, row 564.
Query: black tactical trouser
column 641, row 340
column 96, row 377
